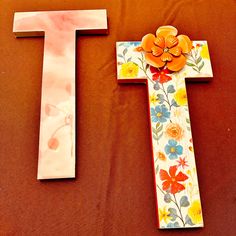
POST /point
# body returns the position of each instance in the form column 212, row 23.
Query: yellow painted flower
column 164, row 215
column 129, row 70
column 153, row 99
column 195, row 212
column 204, row 52
column 181, row 97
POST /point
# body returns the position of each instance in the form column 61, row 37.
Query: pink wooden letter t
column 57, row 121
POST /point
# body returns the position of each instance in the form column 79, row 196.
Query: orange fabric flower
column 165, row 49
column 171, row 181
column 174, row 131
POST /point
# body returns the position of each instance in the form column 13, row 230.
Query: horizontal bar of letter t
column 57, row 119
column 176, row 184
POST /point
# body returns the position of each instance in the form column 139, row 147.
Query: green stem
column 179, row 208
column 144, row 70
column 167, row 97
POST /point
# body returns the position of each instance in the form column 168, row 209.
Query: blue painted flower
column 173, row 150
column 160, row 114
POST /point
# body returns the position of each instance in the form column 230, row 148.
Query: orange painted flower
column 171, row 180
column 161, row 156
column 165, row 49
column 174, row 131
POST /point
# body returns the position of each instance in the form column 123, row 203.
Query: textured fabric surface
column 113, row 193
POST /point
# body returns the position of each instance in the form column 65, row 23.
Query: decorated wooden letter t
column 163, row 61
column 57, row 121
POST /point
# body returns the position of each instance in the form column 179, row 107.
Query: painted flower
column 153, row 99
column 178, row 112
column 204, row 52
column 181, row 97
column 160, row 114
column 171, row 180
column 53, row 143
column 161, row 76
column 161, row 156
column 173, row 150
column 165, row 49
column 174, row 131
column 195, row 212
column 182, row 162
column 129, row 70
column 164, row 215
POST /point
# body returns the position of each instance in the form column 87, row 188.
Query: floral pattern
column 173, row 150
column 175, row 171
column 160, row 114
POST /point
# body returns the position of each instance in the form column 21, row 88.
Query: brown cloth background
column 113, row 192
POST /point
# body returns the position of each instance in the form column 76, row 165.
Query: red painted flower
column 171, row 180
column 160, row 75
column 182, row 162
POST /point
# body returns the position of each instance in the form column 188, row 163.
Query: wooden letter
column 57, row 121
column 176, row 184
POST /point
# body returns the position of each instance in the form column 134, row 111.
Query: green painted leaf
column 157, row 169
column 201, row 66
column 157, row 124
column 198, row 60
column 154, row 130
column 173, row 213
column 167, row 198
column 189, row 64
column 196, row 70
column 184, row 201
column 170, row 89
column 188, row 221
column 187, row 120
column 160, row 136
column 125, row 51
column 160, row 129
column 155, row 137
column 129, row 59
column 119, row 55
column 173, row 225
column 174, row 103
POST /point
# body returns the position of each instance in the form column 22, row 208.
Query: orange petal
column 177, row 63
column 160, row 41
column 164, row 175
column 166, row 56
column 154, row 61
column 171, row 41
column 185, row 43
column 166, row 30
column 156, row 51
column 172, row 171
column 148, row 42
column 176, row 51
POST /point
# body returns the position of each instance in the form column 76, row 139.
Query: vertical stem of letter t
column 57, row 120
column 176, row 184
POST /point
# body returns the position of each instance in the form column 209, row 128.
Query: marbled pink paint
column 57, row 121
